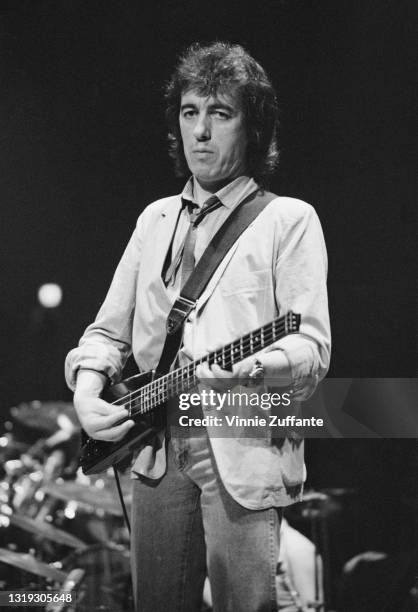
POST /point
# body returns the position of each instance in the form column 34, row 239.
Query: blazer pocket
column 254, row 280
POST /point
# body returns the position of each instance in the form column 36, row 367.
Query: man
column 209, row 503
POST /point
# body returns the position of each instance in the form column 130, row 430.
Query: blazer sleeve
column 301, row 277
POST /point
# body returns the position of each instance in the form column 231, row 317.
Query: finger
column 243, row 370
column 94, row 422
column 115, row 433
column 203, row 371
column 218, row 372
column 106, row 409
column 112, row 420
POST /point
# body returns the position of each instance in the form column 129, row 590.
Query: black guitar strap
column 225, row 237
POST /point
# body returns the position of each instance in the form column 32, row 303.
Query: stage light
column 50, row 295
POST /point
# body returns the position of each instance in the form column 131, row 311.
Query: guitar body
column 96, row 455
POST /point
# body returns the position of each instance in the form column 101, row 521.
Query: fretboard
column 184, row 378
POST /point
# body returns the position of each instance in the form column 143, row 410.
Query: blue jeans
column 186, row 524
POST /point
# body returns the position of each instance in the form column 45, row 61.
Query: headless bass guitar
column 145, row 395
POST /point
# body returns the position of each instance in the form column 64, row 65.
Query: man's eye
column 187, row 114
column 221, row 114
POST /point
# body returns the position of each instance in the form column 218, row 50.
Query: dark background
column 83, row 151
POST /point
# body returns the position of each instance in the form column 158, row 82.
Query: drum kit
column 60, row 529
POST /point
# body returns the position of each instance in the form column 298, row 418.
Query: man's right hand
column 97, row 417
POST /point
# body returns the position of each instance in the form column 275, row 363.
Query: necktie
column 188, row 262
column 185, row 254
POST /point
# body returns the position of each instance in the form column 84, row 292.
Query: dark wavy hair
column 227, row 69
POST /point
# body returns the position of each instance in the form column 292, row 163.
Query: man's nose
column 201, row 129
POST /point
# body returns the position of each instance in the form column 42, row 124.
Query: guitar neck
column 182, row 379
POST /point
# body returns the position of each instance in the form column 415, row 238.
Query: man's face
column 214, row 138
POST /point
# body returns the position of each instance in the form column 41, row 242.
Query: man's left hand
column 275, row 364
column 222, row 380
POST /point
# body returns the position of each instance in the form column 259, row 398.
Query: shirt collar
column 230, row 195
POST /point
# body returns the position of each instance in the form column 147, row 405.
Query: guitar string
column 182, row 378
column 269, row 336
column 171, row 383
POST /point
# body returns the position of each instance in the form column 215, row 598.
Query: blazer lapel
column 164, row 230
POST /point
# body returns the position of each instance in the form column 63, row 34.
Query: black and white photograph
column 209, row 367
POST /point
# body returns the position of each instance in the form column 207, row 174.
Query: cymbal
column 97, row 498
column 43, row 416
column 339, row 491
column 315, row 504
column 314, row 496
column 28, row 563
column 46, row 530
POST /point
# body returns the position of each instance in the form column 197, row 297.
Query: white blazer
column 279, row 263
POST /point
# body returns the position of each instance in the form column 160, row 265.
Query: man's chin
column 211, row 182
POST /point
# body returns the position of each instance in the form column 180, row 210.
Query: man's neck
column 200, row 195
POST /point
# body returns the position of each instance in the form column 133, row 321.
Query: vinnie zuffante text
column 235, row 400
